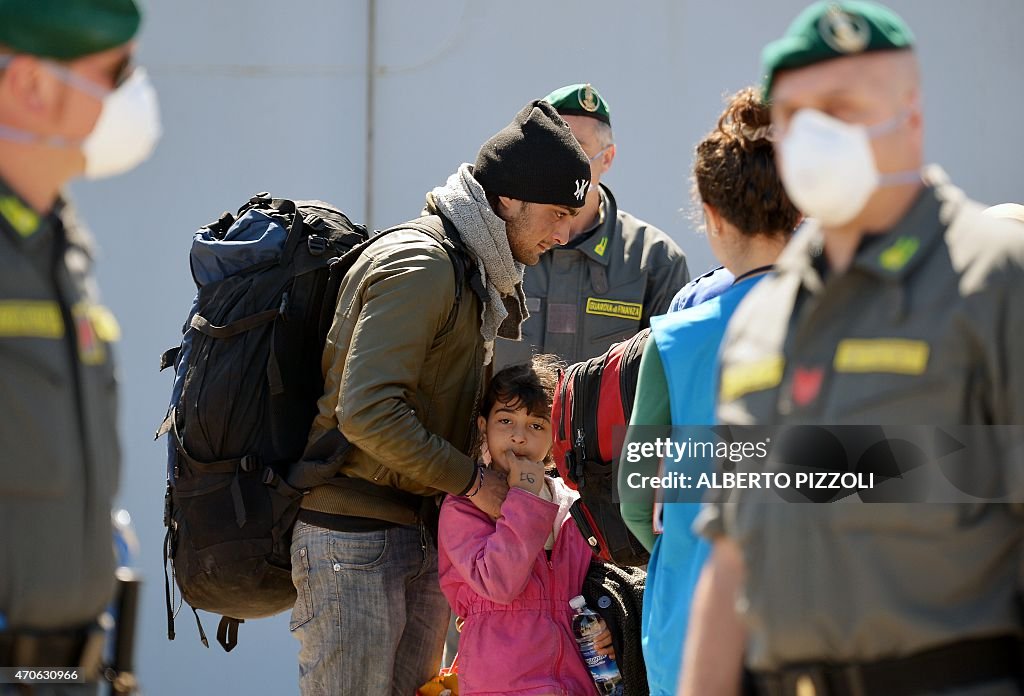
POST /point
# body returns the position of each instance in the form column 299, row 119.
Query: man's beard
column 522, row 250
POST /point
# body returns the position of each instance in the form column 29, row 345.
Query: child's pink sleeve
column 494, row 559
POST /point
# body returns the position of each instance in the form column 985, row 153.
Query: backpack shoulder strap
column 447, row 235
column 629, row 371
column 588, row 392
column 441, row 230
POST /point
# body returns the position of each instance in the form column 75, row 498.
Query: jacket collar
column 31, row 232
column 17, row 217
column 597, row 242
column 563, row 496
column 890, row 256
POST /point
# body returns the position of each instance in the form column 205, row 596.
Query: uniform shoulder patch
column 744, row 378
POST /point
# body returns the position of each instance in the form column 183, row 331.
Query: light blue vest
column 688, row 342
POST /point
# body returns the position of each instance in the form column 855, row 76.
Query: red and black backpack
column 591, row 409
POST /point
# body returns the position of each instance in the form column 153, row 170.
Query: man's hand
column 522, row 473
column 491, row 494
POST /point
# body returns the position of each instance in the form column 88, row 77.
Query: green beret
column 579, row 100
column 830, row 29
column 66, row 29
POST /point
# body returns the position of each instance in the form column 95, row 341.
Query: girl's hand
column 525, row 474
column 603, row 643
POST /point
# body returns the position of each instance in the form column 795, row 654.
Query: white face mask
column 125, row 133
column 828, row 168
column 127, row 130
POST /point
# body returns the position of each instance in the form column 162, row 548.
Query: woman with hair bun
column 748, row 219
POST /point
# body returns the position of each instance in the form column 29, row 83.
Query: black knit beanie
column 535, row 158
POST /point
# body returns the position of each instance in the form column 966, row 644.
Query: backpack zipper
column 581, row 443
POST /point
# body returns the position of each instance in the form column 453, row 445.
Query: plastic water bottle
column 586, row 625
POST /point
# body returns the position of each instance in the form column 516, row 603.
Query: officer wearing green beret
column 71, row 103
column 900, row 303
column 616, row 271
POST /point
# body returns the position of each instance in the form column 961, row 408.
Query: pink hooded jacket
column 517, row 638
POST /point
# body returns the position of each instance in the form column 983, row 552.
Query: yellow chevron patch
column 24, row 220
column 899, row 253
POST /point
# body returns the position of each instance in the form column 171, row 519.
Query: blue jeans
column 369, row 617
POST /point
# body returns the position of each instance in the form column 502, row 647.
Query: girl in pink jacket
column 511, row 579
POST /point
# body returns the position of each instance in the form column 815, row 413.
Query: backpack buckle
column 247, row 463
column 317, row 245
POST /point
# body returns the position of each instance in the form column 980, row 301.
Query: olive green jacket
column 60, row 462
column 403, row 378
column 925, row 328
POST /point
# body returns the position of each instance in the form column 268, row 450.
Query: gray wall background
column 263, row 95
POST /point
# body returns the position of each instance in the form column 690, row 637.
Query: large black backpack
column 594, row 401
column 247, row 381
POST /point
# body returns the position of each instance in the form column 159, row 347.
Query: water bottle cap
column 578, row 602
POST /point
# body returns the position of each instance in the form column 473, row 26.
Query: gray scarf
column 462, row 200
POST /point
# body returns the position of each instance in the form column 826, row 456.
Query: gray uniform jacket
column 925, row 328
column 584, row 299
column 60, row 455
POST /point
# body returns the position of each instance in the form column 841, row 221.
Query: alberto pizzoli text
column 761, row 479
column 697, row 451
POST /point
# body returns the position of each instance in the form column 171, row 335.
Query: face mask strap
column 899, row 178
column 19, row 136
column 889, row 125
column 603, row 150
column 912, row 176
column 75, row 80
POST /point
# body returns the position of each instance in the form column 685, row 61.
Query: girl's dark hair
column 529, row 384
column 735, row 169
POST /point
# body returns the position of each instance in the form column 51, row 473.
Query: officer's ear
column 607, row 158
column 27, row 89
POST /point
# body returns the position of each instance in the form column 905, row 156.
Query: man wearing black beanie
column 614, row 273
column 405, row 355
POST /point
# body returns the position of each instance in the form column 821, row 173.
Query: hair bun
column 755, row 134
column 747, row 119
